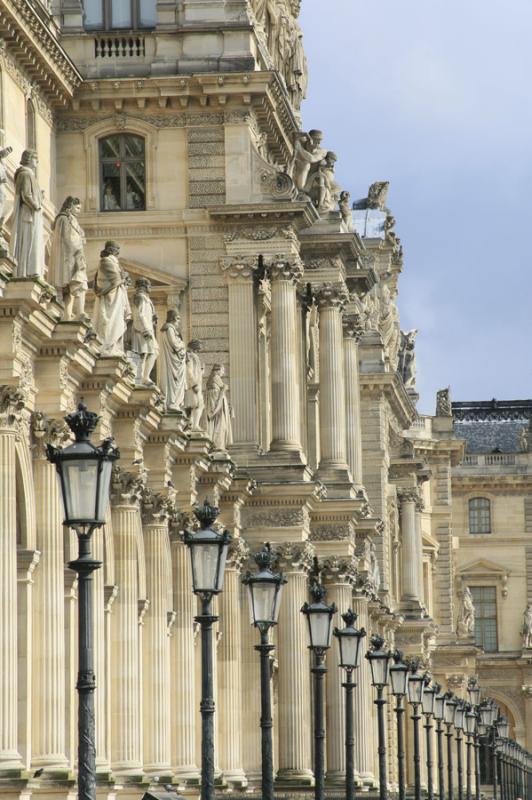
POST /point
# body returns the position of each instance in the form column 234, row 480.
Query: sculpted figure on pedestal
column 465, row 626
column 27, row 245
column 407, row 358
column 3, row 194
column 111, row 309
column 307, row 151
column 525, row 438
column 68, row 268
column 194, row 402
column 375, row 570
column 527, row 627
column 218, row 409
column 143, row 339
column 443, row 403
column 344, row 204
column 321, row 184
column 172, row 364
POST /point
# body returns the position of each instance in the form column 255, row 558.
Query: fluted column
column 126, row 747
column 156, row 644
column 11, row 402
column 243, row 348
column 352, row 331
column 284, row 356
column 419, row 550
column 230, row 669
column 338, row 574
column 410, row 548
column 49, row 701
column 295, row 761
column 183, row 695
column 365, row 732
column 331, row 299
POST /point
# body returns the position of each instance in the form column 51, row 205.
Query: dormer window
column 119, row 14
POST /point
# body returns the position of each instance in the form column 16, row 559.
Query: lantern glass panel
column 459, row 718
column 474, row 694
column 320, row 628
column 428, row 701
column 485, row 715
column 399, row 679
column 415, row 689
column 80, row 480
column 470, row 722
column 277, row 602
column 349, row 650
column 262, row 601
column 439, row 706
column 379, row 669
column 450, row 711
column 208, row 563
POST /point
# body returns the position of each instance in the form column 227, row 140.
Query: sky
column 436, row 97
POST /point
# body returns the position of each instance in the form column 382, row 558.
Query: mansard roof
column 492, row 425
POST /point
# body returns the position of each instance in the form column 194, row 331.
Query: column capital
column 238, row 554
column 408, row 494
column 353, row 326
column 46, row 430
column 12, row 402
column 338, row 569
column 127, row 487
column 286, row 268
column 239, row 266
column 527, row 690
column 156, row 507
column 332, row 295
column 295, row 556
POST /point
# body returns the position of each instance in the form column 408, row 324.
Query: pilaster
column 352, row 332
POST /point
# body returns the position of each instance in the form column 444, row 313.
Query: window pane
column 479, row 515
column 135, row 185
column 485, row 602
column 111, row 188
column 121, row 14
column 110, row 147
column 133, row 146
column 148, row 13
column 93, row 13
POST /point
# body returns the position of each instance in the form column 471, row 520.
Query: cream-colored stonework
column 328, row 457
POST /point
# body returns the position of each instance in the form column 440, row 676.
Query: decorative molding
column 336, row 569
column 126, row 487
column 238, row 553
column 331, row 295
column 295, row 556
column 239, row 266
column 331, row 533
column 285, row 268
column 68, row 123
column 275, row 517
column 12, row 403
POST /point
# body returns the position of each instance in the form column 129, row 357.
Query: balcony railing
column 489, row 460
column 119, row 47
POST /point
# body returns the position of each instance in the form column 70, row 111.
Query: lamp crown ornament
column 206, row 514
column 82, row 422
column 397, row 656
column 377, row 642
column 265, row 557
column 350, row 618
column 317, row 592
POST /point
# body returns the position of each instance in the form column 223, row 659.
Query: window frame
column 124, row 160
column 107, row 18
column 495, row 618
column 479, row 531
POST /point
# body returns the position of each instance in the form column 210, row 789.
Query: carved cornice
column 284, row 268
column 295, row 556
column 46, row 430
column 331, row 295
column 239, row 266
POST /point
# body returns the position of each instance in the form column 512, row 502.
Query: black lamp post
column 264, row 594
column 470, row 727
column 84, row 477
column 319, row 620
column 473, row 691
column 439, row 715
column 427, row 705
column 459, row 726
column 349, row 641
column 399, row 682
column 379, row 660
column 449, row 714
column 208, row 552
column 415, row 698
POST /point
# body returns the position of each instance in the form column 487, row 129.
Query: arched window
column 479, row 515
column 122, row 173
column 120, row 14
column 31, row 135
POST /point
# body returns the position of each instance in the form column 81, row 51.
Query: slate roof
column 492, row 425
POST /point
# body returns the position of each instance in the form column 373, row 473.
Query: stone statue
column 527, row 627
column 443, row 403
column 407, row 358
column 68, row 268
column 143, row 338
column 465, row 626
column 172, row 364
column 307, row 152
column 344, row 204
column 375, row 570
column 524, row 439
column 111, row 309
column 4, row 152
column 297, row 69
column 321, row 184
column 376, row 199
column 27, row 243
column 218, row 409
column 194, row 402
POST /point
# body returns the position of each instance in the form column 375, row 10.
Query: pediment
column 483, row 567
column 157, row 278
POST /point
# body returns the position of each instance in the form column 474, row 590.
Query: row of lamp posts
column 84, row 473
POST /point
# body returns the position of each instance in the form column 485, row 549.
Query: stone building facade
column 176, row 124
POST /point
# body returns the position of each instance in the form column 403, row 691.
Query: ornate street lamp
column 473, row 691
column 427, row 706
column 416, row 684
column 470, row 727
column 399, row 683
column 319, row 621
column 449, row 715
column 459, row 726
column 379, row 659
column 264, row 594
column 84, row 473
column 439, row 715
column 208, row 552
column 349, row 643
